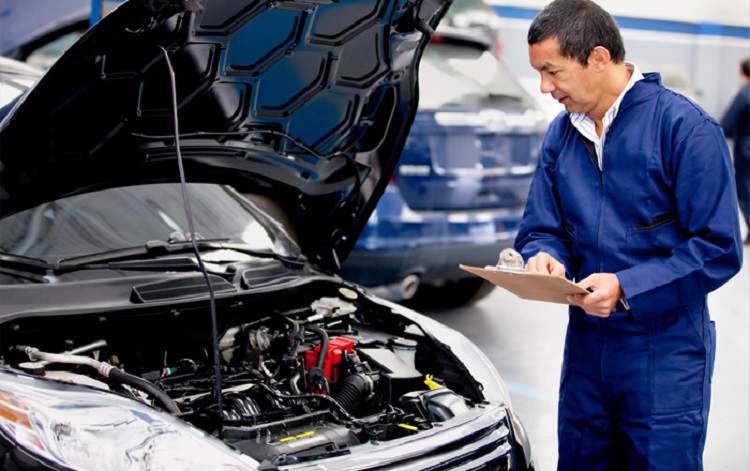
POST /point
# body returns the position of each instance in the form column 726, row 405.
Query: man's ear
column 600, row 57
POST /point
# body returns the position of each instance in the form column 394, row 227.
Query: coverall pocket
column 654, row 238
column 678, row 365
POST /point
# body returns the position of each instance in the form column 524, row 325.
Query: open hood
column 308, row 103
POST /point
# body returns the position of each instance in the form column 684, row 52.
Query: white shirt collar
column 586, row 125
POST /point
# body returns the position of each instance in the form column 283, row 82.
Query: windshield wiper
column 149, row 250
column 37, row 269
column 152, row 256
column 26, row 264
column 160, row 248
column 158, row 264
column 17, row 266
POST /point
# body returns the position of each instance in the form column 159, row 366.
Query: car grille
column 483, row 442
column 491, row 451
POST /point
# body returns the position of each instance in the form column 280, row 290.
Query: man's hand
column 606, row 292
column 545, row 263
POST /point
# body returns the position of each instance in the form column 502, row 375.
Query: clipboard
column 528, row 285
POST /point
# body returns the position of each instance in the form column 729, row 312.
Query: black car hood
column 306, row 102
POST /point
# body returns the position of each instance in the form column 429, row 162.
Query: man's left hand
column 605, row 293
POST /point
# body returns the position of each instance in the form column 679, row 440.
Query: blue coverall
column 661, row 215
column 736, row 124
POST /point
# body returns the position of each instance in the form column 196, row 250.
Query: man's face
column 575, row 86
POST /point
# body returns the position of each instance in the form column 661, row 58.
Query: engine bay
column 303, row 373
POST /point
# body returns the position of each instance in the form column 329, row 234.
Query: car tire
column 452, row 294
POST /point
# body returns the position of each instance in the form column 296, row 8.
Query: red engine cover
column 337, row 347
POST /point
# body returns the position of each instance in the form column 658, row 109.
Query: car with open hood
column 176, row 195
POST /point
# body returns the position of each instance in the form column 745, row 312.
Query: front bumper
column 482, row 440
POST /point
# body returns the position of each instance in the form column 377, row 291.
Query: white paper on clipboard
column 529, row 285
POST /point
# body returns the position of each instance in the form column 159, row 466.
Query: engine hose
column 353, row 390
column 294, row 382
column 106, row 370
column 145, row 386
column 294, row 339
column 323, row 397
column 323, row 343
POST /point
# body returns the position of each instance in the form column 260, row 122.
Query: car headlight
column 84, row 428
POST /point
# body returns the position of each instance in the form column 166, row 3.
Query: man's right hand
column 545, row 263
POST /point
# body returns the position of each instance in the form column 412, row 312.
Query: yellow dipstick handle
column 408, row 427
column 430, row 383
column 295, row 437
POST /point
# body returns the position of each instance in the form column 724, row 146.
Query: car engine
column 300, row 376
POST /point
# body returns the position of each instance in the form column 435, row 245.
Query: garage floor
column 525, row 338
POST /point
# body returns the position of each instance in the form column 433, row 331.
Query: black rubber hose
column 104, row 369
column 322, row 397
column 323, row 343
column 352, row 391
column 294, row 335
column 145, row 386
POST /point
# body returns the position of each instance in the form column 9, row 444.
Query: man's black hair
column 746, row 67
column 579, row 26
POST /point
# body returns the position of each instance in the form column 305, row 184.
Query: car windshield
column 459, row 75
column 12, row 85
column 131, row 216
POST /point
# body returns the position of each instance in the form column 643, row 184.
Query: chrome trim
column 466, row 442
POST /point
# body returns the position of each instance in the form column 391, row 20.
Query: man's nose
column 546, row 86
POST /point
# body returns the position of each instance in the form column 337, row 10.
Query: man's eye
column 553, row 73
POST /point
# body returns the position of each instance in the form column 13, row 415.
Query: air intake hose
column 353, row 390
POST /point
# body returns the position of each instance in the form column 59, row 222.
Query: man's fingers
column 604, row 289
column 534, row 264
column 558, row 270
column 545, row 263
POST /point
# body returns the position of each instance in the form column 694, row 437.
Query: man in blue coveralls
column 634, row 198
column 736, row 124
